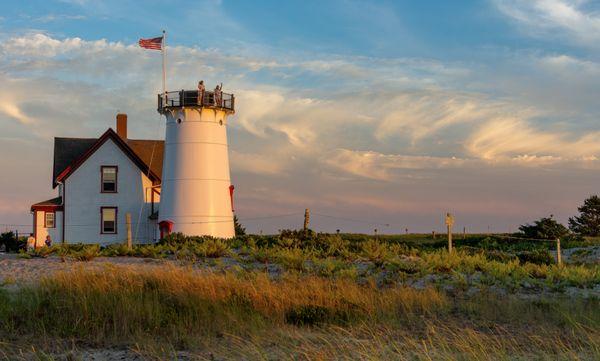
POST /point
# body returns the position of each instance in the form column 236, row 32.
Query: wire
column 351, row 220
column 270, row 217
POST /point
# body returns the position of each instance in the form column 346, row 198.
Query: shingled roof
column 54, row 203
column 69, row 151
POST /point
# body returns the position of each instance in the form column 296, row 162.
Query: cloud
column 513, row 137
column 257, row 163
column 8, row 107
column 309, row 127
column 556, row 17
column 378, row 166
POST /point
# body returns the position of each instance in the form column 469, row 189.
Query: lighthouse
column 196, row 192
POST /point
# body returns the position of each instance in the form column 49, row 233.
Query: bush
column 375, row 251
column 539, row 257
column 292, row 259
column 545, row 228
column 116, row 250
column 212, row 248
column 87, row 253
column 150, row 251
column 10, row 241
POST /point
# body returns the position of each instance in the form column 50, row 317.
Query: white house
column 99, row 181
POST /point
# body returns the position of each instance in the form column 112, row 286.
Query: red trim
column 46, row 221
column 231, row 188
column 64, row 215
column 109, row 134
column 35, row 225
column 102, row 178
column 47, row 208
column 166, row 227
column 102, row 221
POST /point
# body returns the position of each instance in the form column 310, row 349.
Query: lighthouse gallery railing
column 184, row 98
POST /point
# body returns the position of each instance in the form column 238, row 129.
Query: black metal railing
column 184, row 98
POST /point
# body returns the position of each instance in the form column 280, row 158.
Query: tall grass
column 249, row 315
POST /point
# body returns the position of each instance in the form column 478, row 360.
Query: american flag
column 154, row 43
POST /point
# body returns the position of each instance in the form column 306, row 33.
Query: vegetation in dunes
column 157, row 313
column 314, row 296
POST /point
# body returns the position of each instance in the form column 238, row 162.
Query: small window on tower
column 108, row 220
column 109, row 179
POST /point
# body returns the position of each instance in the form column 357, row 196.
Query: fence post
column 433, row 234
column 128, row 223
column 558, row 252
column 449, row 224
column 306, row 220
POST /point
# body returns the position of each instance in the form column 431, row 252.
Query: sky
column 374, row 114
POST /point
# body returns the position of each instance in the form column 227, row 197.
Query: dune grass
column 162, row 310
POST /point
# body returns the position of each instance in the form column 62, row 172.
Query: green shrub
column 375, row 251
column 151, row 251
column 116, row 250
column 11, row 242
column 23, row 255
column 536, row 257
column 186, row 254
column 212, row 248
column 264, row 255
column 292, row 259
column 87, row 253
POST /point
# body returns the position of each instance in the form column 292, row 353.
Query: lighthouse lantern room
column 196, row 191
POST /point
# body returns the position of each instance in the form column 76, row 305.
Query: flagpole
column 164, row 66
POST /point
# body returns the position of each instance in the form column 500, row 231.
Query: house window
column 109, row 179
column 108, row 220
column 49, row 220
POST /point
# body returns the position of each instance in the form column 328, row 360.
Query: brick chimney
column 122, row 125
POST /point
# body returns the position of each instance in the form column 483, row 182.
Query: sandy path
column 18, row 270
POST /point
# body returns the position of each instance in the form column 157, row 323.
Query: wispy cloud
column 561, row 18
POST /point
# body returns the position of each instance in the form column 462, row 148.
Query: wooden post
column 433, row 234
column 406, row 230
column 558, row 252
column 306, row 219
column 449, row 224
column 464, row 232
column 128, row 223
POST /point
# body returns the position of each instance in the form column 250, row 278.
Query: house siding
column 41, row 231
column 83, row 199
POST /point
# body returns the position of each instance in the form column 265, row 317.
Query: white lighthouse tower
column 196, row 192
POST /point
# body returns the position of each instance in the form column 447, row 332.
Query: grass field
column 313, row 297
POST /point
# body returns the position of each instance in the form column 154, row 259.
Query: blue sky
column 390, row 110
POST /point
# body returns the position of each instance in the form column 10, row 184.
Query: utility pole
column 449, row 224
column 306, row 220
column 558, row 252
